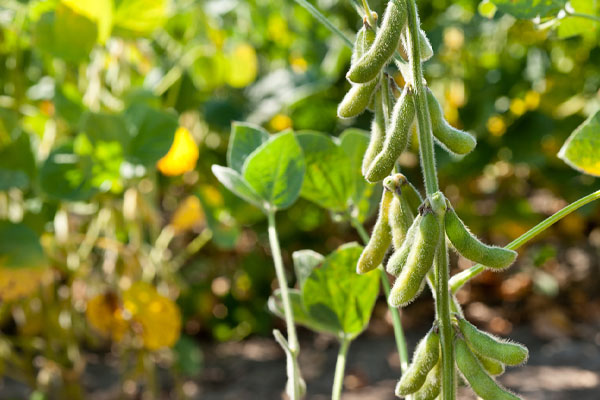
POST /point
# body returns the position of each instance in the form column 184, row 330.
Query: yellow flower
column 188, row 215
column 105, row 313
column 242, row 66
column 182, row 155
column 280, row 122
column 518, row 107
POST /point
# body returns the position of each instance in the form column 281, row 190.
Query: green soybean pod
column 410, row 282
column 432, row 386
column 384, row 46
column 399, row 257
column 381, row 238
column 426, row 51
column 377, row 134
column 401, row 215
column 452, row 139
column 472, row 248
column 412, row 196
column 424, row 359
column 478, row 379
column 492, row 367
column 358, row 49
column 490, row 346
column 357, row 99
column 396, row 138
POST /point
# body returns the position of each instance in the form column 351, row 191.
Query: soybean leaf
column 300, row 315
column 336, row 294
column 138, row 17
column 152, row 134
column 233, row 181
column 244, row 139
column 20, row 247
column 188, row 356
column 530, row 8
column 304, row 263
column 98, row 11
column 365, row 196
column 225, row 231
column 275, row 170
column 582, row 149
column 328, row 180
column 572, row 26
column 104, row 127
column 66, row 175
column 17, row 164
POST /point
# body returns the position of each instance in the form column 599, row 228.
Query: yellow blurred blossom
column 105, row 314
column 280, row 122
column 182, row 155
column 456, row 93
column 532, row 100
column 454, row 38
column 242, row 66
column 496, row 125
column 518, row 107
column 298, row 63
column 188, row 215
column 16, row 283
column 277, row 30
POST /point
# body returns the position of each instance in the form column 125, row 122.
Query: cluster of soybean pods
column 414, row 228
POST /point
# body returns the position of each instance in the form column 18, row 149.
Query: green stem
column 340, row 367
column 460, row 279
column 323, row 19
column 431, row 185
column 292, row 338
column 581, row 15
column 396, row 322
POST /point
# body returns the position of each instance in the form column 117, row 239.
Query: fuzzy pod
column 452, row 139
column 399, row 257
column 472, row 248
column 481, row 383
column 357, row 99
column 396, row 139
column 381, row 238
column 411, row 280
column 401, row 216
column 426, row 51
column 492, row 367
column 384, row 46
column 493, row 347
column 432, row 386
column 358, row 49
column 424, row 359
column 377, row 134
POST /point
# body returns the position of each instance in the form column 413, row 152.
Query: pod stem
column 293, row 348
column 427, row 154
column 396, row 322
column 463, row 277
column 340, row 368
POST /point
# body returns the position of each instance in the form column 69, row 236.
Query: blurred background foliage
column 112, row 112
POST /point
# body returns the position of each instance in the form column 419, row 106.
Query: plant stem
column 460, row 279
column 340, row 367
column 431, row 185
column 582, row 15
column 396, row 322
column 292, row 338
column 323, row 19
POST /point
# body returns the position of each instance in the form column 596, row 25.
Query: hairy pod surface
column 384, row 46
column 491, row 346
column 432, row 386
column 478, row 379
column 401, row 216
column 377, row 134
column 358, row 49
column 492, row 367
column 424, row 359
column 398, row 259
column 357, row 99
column 472, row 248
column 426, row 51
column 396, row 138
column 381, row 238
column 452, row 139
column 420, row 259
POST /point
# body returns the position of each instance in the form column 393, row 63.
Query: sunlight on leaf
column 582, row 149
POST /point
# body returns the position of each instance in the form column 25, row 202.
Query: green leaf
column 66, row 34
column 582, row 149
column 17, row 164
column 301, row 317
column 66, row 175
column 530, row 8
column 244, row 139
column 275, row 170
column 336, row 294
column 328, row 179
column 304, row 263
column 189, row 358
column 103, row 127
column 99, row 11
column 573, row 26
column 365, row 196
column 225, row 230
column 233, row 181
column 138, row 17
column 20, row 247
column 153, row 133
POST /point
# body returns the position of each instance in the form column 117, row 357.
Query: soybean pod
column 432, row 386
column 492, row 367
column 399, row 257
column 478, row 379
column 396, row 138
column 377, row 134
column 380, row 240
column 426, row 51
column 492, row 347
column 472, row 248
column 452, row 139
column 401, row 215
column 424, row 359
column 384, row 46
column 357, row 99
column 410, row 282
